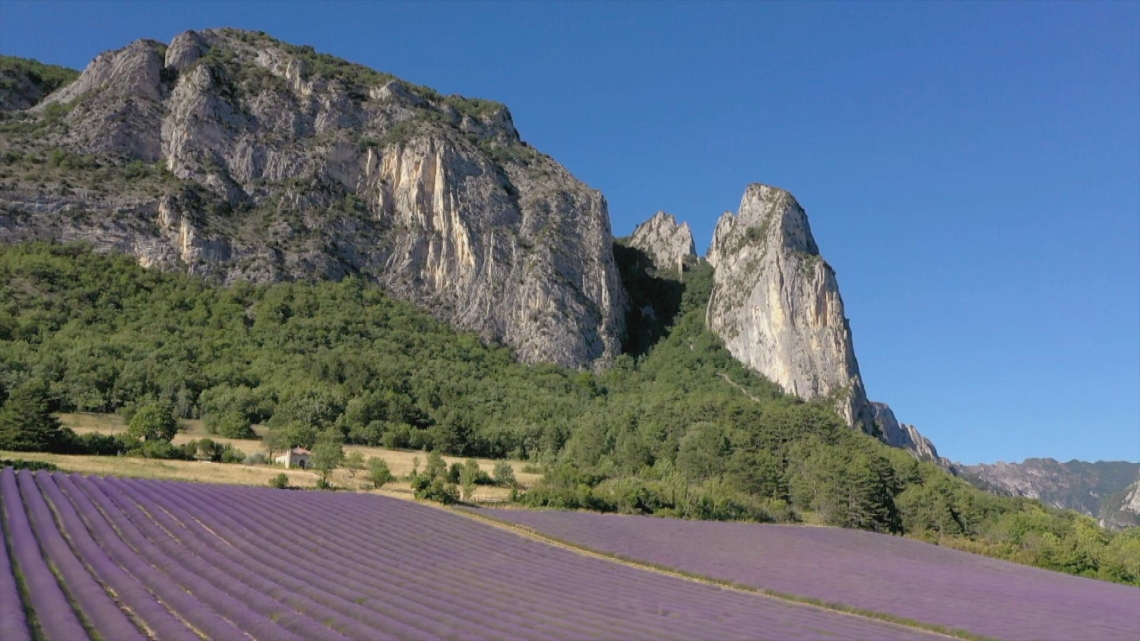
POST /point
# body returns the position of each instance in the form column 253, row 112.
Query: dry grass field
column 400, row 462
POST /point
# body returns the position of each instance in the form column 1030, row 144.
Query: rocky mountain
column 1105, row 489
column 666, row 242
column 1122, row 509
column 776, row 303
column 235, row 156
column 23, row 83
column 902, row 435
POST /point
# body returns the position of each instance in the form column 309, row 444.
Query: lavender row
column 595, row 585
column 268, row 574
column 444, row 593
column 222, row 598
column 293, row 611
column 105, row 617
column 425, row 615
column 155, row 616
column 436, row 590
column 13, row 623
column 178, row 598
column 877, row 572
column 620, row 621
column 253, row 612
column 45, row 594
column 184, row 561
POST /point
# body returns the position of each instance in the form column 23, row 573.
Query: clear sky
column 972, row 170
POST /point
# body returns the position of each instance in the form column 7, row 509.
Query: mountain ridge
column 233, row 155
column 1105, row 490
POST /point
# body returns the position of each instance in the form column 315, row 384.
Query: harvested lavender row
column 233, row 562
column 877, row 572
column 13, row 623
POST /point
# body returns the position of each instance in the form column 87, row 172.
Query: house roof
column 301, row 450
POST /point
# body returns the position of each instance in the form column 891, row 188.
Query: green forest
column 676, row 427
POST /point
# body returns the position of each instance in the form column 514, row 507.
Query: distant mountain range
column 1108, row 490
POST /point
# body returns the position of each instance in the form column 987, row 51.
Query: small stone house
column 296, row 457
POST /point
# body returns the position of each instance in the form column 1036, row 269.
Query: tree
column 354, row 462
column 154, row 421
column 468, row 477
column 207, row 448
column 229, row 424
column 436, row 466
column 433, row 484
column 26, row 423
column 276, row 440
column 703, row 452
column 378, row 472
column 328, row 453
column 504, row 474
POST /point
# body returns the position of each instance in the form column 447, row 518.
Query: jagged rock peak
column 664, row 240
column 902, row 435
column 240, row 157
column 776, row 303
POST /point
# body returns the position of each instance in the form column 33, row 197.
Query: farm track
column 137, row 559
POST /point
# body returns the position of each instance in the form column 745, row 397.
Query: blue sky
column 972, row 170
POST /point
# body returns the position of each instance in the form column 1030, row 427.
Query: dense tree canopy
column 676, row 427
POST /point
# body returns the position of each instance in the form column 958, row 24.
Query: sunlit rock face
column 666, row 242
column 776, row 303
column 902, row 435
column 245, row 158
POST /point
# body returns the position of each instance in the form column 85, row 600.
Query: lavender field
column 136, row 559
column 889, row 574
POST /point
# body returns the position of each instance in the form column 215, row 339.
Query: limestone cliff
column 666, row 242
column 235, row 156
column 902, row 435
column 776, row 303
column 1122, row 509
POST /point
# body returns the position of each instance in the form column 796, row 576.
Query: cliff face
column 902, row 435
column 235, row 156
column 666, row 242
column 776, row 303
column 1105, row 489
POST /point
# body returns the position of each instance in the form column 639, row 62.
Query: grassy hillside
column 681, row 430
